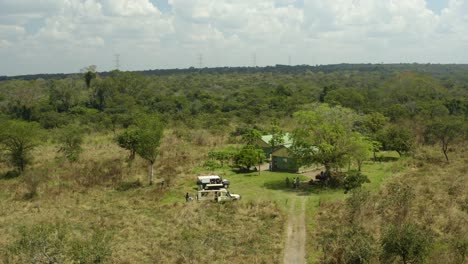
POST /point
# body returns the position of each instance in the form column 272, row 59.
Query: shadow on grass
column 385, row 159
column 305, row 189
column 248, row 173
column 280, row 185
column 9, row 175
column 125, row 186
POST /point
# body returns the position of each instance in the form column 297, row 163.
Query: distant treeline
column 436, row 70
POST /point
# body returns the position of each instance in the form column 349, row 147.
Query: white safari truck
column 211, row 182
column 217, row 195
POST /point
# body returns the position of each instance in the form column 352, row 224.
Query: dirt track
column 294, row 251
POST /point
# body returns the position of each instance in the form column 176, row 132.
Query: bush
column 43, row 243
column 19, row 138
column 354, row 179
column 408, row 242
column 70, row 139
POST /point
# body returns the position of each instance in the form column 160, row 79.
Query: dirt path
column 294, row 251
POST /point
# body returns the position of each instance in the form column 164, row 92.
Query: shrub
column 43, row 243
column 408, row 242
column 70, row 139
column 354, row 179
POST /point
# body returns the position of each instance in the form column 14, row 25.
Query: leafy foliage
column 446, row 131
column 18, row 139
column 70, row 139
column 144, row 139
column 248, row 157
column 408, row 241
column 324, row 135
column 129, row 140
column 353, row 180
column 398, row 138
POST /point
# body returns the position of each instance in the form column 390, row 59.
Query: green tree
column 70, row 139
column 129, row 141
column 63, row 95
column 324, row 135
column 398, row 138
column 360, row 149
column 149, row 130
column 223, row 156
column 89, row 73
column 249, row 156
column 101, row 93
column 373, row 123
column 407, row 241
column 346, row 97
column 18, row 139
column 353, row 180
column 446, row 131
column 277, row 136
column 23, row 98
column 251, row 136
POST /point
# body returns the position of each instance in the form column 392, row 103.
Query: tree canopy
column 324, row 135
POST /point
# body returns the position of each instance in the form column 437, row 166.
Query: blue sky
column 50, row 36
column 437, row 5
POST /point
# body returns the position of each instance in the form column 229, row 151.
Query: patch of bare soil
column 294, row 251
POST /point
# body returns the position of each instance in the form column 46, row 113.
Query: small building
column 282, row 160
column 280, row 156
column 265, row 143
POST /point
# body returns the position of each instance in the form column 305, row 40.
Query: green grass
column 143, row 218
column 271, row 186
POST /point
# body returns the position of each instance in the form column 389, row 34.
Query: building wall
column 284, row 164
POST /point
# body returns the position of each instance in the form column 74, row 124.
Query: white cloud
column 74, row 33
column 130, row 8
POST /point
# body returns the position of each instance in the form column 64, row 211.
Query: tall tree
column 249, row 156
column 446, row 131
column 398, row 138
column 277, row 136
column 89, row 73
column 251, row 136
column 129, row 141
column 324, row 135
column 18, row 139
column 148, row 133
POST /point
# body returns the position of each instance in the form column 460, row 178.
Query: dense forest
column 71, row 141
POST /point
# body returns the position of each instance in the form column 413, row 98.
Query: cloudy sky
column 50, row 36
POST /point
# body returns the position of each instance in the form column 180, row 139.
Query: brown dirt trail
column 294, row 252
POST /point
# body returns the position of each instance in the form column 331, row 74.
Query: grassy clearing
column 127, row 221
column 271, row 186
column 145, row 224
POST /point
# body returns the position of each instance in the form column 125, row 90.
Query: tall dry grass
column 100, row 209
column 430, row 194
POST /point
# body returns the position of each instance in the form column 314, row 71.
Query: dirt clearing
column 294, row 251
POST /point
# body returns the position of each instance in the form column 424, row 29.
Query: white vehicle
column 205, row 182
column 220, row 195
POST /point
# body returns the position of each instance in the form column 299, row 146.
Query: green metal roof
column 287, row 139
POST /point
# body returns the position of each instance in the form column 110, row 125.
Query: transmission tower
column 254, row 60
column 200, row 60
column 117, row 61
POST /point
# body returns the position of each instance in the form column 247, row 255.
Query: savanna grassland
column 78, row 154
